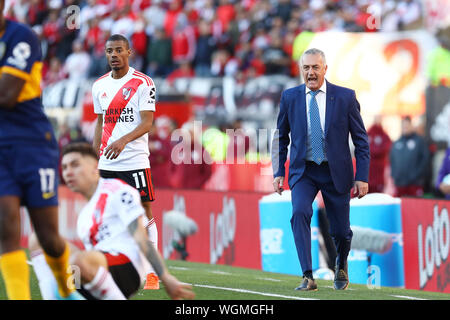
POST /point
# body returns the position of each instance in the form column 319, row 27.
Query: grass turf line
column 207, row 281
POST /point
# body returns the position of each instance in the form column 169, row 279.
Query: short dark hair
column 119, row 37
column 81, row 147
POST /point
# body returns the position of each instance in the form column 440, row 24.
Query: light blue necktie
column 316, row 129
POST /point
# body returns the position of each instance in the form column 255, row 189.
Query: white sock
column 46, row 280
column 150, row 225
column 103, row 286
column 153, row 233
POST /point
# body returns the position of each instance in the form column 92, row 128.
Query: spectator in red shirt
column 380, row 145
column 37, row 11
column 139, row 37
column 55, row 73
column 141, row 5
column 93, row 35
column 183, row 41
column 364, row 19
column 190, row 165
column 191, row 12
column 225, row 13
column 172, row 13
column 139, row 45
column 257, row 66
column 160, row 153
column 51, row 30
column 183, row 71
column 239, row 143
column 99, row 64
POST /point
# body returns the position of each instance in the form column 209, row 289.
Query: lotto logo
column 433, row 244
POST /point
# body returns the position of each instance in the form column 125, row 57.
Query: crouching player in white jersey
column 124, row 101
column 117, row 249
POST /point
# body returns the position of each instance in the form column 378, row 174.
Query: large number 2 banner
column 387, row 70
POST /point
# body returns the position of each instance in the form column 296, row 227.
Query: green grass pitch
column 219, row 282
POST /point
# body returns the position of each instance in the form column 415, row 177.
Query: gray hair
column 314, row 51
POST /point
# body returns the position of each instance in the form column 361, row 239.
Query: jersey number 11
column 136, row 179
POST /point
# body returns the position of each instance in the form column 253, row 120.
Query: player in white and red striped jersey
column 117, row 250
column 124, row 100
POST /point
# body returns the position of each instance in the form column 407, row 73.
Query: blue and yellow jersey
column 20, row 56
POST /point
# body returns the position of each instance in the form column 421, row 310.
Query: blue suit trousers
column 314, row 179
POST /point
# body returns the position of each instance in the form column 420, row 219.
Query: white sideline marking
column 407, row 297
column 220, row 272
column 269, row 279
column 179, row 268
column 252, row 292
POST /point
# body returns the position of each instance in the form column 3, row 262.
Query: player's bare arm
column 98, row 133
column 138, row 232
column 114, row 149
column 175, row 289
column 10, row 87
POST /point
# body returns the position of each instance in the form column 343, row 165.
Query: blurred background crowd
column 242, row 39
column 175, row 38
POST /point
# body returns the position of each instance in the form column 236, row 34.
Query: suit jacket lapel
column 329, row 107
column 302, row 110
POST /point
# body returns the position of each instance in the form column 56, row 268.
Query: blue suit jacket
column 341, row 118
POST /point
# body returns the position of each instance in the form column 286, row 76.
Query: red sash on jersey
column 97, row 218
column 118, row 103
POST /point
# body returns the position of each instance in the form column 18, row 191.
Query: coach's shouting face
column 313, row 68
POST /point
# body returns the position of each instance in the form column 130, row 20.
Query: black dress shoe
column 307, row 284
column 340, row 280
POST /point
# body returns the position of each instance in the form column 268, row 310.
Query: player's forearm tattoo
column 132, row 227
column 154, row 258
column 147, row 248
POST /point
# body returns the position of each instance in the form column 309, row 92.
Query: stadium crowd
column 203, row 38
column 175, row 38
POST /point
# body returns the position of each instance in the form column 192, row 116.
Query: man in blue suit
column 319, row 116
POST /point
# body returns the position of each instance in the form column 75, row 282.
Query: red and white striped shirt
column 102, row 224
column 120, row 101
